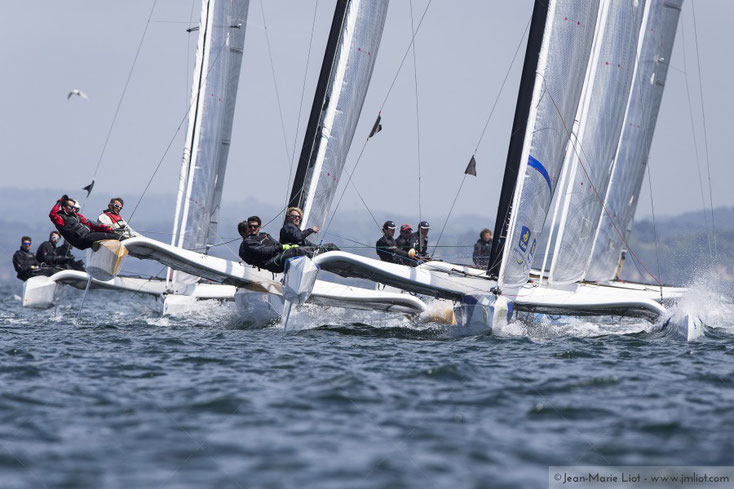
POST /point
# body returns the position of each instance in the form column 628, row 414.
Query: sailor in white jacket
column 111, row 217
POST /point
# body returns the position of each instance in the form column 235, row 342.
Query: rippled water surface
column 124, row 398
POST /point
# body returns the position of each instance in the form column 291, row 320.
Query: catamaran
column 348, row 63
column 578, row 129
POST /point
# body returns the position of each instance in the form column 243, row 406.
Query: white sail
column 600, row 116
column 214, row 92
column 562, row 63
column 621, row 201
column 356, row 33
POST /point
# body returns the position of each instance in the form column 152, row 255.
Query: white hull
column 455, row 281
column 41, row 292
column 44, row 292
column 683, row 326
column 182, row 304
column 477, row 294
column 208, row 267
column 259, row 309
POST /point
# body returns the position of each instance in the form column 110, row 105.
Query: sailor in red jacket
column 75, row 228
column 111, row 218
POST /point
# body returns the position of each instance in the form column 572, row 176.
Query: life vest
column 115, row 218
column 73, row 229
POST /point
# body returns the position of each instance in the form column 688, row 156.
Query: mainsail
column 600, row 118
column 350, row 56
column 555, row 65
column 214, row 91
column 624, row 189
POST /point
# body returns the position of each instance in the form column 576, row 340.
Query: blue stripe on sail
column 541, row 169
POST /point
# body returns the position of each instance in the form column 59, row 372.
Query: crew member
column 75, row 228
column 387, row 249
column 261, row 250
column 291, row 232
column 111, row 218
column 483, row 249
column 25, row 263
column 406, row 243
column 60, row 257
column 420, row 241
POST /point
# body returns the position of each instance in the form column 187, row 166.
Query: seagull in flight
column 76, row 91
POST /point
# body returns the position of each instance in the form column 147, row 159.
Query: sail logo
column 532, row 251
column 524, row 239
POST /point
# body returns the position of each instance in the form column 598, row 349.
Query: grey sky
column 463, row 50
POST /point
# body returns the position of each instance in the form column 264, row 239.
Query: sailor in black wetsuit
column 405, row 243
column 420, row 241
column 386, row 247
column 25, row 263
column 75, row 228
column 59, row 257
column 261, row 250
column 291, row 233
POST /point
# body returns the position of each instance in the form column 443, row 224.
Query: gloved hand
column 288, row 247
column 63, row 199
column 411, row 253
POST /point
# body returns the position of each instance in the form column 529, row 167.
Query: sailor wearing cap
column 403, row 241
column 419, row 240
column 386, row 247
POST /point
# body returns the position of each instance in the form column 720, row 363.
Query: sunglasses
column 253, row 226
column 26, row 242
column 294, row 216
column 117, row 206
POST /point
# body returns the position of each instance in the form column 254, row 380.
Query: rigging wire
column 364, row 145
column 417, row 115
column 275, row 83
column 405, row 55
column 507, row 75
column 596, row 190
column 695, row 140
column 300, row 105
column 456, row 197
column 484, row 130
column 122, row 95
column 654, row 227
column 705, row 132
column 187, row 77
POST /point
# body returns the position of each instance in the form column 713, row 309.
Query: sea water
column 123, row 398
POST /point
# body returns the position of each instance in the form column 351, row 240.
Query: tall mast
column 354, row 40
column 517, row 139
column 310, row 140
column 211, row 114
